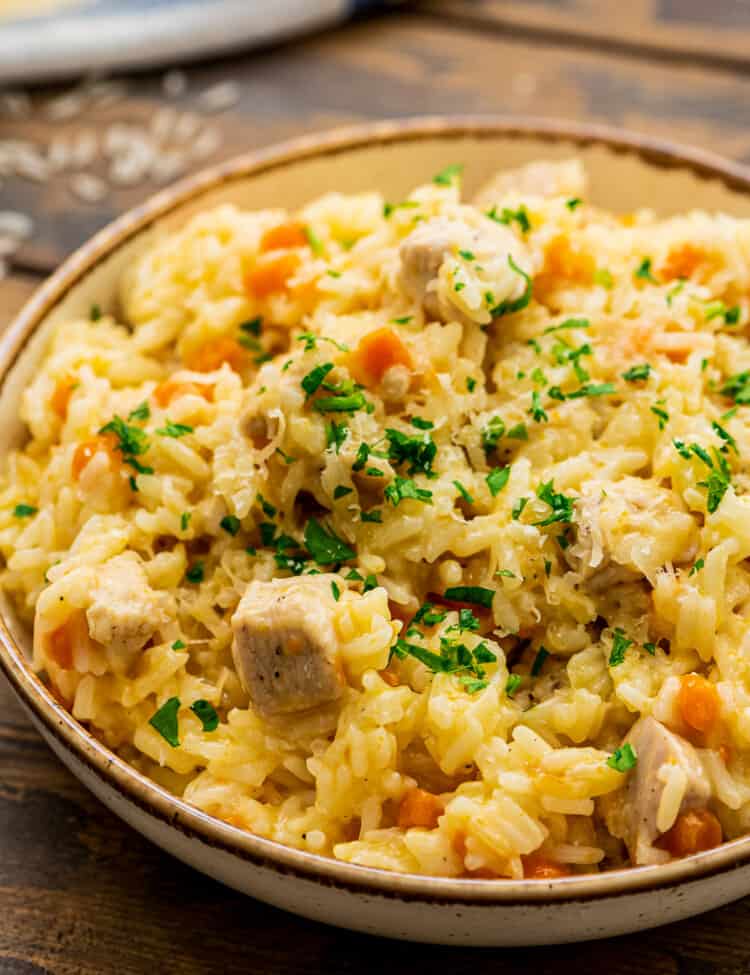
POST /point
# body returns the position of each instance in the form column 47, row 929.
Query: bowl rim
column 151, row 798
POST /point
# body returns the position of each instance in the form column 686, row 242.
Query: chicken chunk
column 631, row 528
column 547, row 178
column 125, row 611
column 286, row 649
column 442, row 241
column 667, row 780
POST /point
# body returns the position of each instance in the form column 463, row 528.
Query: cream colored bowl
column 625, row 172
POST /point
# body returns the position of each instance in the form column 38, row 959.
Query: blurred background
column 104, row 101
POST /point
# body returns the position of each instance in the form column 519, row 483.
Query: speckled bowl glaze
column 625, row 172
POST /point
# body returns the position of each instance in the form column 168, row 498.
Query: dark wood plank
column 717, row 33
column 399, row 66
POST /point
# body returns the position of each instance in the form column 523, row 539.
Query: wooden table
column 79, row 891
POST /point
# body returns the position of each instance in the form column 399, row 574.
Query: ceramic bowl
column 625, row 172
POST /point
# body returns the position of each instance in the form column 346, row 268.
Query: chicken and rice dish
column 410, row 532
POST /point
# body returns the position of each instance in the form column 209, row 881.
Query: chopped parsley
column 340, row 491
column 536, row 410
column 643, row 271
column 426, row 614
column 141, row 412
column 179, row 645
column 206, row 714
column 650, row 648
column 717, row 309
column 419, row 452
column 230, row 524
column 506, row 574
column 175, row 430
column 253, row 326
column 404, row 487
column 697, row 567
column 737, row 387
column 185, row 520
column 471, row 383
column 518, row 432
column 661, row 415
column 725, row 436
column 336, row 434
column 492, row 432
column 568, row 323
column 131, row 442
column 95, row 313
column 311, row 382
column 541, row 656
column 623, row 759
column 341, row 403
column 573, row 202
column 476, row 595
column 165, row 721
column 311, row 342
column 637, row 373
column 420, row 424
column 24, row 511
column 467, row 255
column 508, row 216
column 373, row 516
column 404, row 320
column 512, row 684
column 592, row 389
column 316, row 244
column 561, row 505
column 448, row 176
column 463, row 492
column 335, row 590
column 518, row 507
column 195, row 573
column 497, row 479
column 507, row 307
column 620, row 644
column 603, row 278
column 325, row 547
column 717, row 482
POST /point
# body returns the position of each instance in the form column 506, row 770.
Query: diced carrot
column 61, row 395
column 214, row 353
column 270, row 275
column 537, row 866
column 561, row 260
column 60, row 645
column 682, row 262
column 419, row 808
column 376, row 353
column 168, row 390
column 85, row 451
column 693, row 831
column 286, row 235
column 389, row 677
column 698, row 702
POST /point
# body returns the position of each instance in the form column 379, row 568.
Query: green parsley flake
column 404, row 320
column 661, row 415
column 448, row 176
column 536, row 410
column 643, row 271
column 311, row 382
column 620, row 644
column 737, row 387
column 697, row 567
column 141, row 412
column 336, row 434
column 497, row 479
column 463, row 492
column 561, row 505
column 492, row 433
column 185, row 520
column 403, row 487
column 335, row 590
column 507, row 306
column 343, row 403
column 419, row 452
column 512, row 684
column 206, row 714
column 165, row 721
column 637, row 373
column 518, row 507
column 573, row 202
column 340, row 491
column 372, row 516
column 195, row 573
column 476, row 595
column 95, row 313
column 325, row 547
column 316, row 244
column 471, row 383
column 420, row 424
column 541, row 656
column 650, row 648
column 179, row 645
column 604, row 278
column 518, row 432
column 175, row 430
column 230, row 524
column 725, row 436
column 623, row 758
column 507, row 216
column 253, row 326
column 568, row 323
column 24, row 511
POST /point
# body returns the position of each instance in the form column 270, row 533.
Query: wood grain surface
column 79, row 891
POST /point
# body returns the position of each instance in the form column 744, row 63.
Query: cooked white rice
column 565, row 490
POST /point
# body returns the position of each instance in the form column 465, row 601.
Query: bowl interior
column 388, row 158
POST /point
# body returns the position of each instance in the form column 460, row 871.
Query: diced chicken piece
column 667, row 780
column 435, row 242
column 565, row 178
column 633, row 528
column 125, row 611
column 285, row 647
